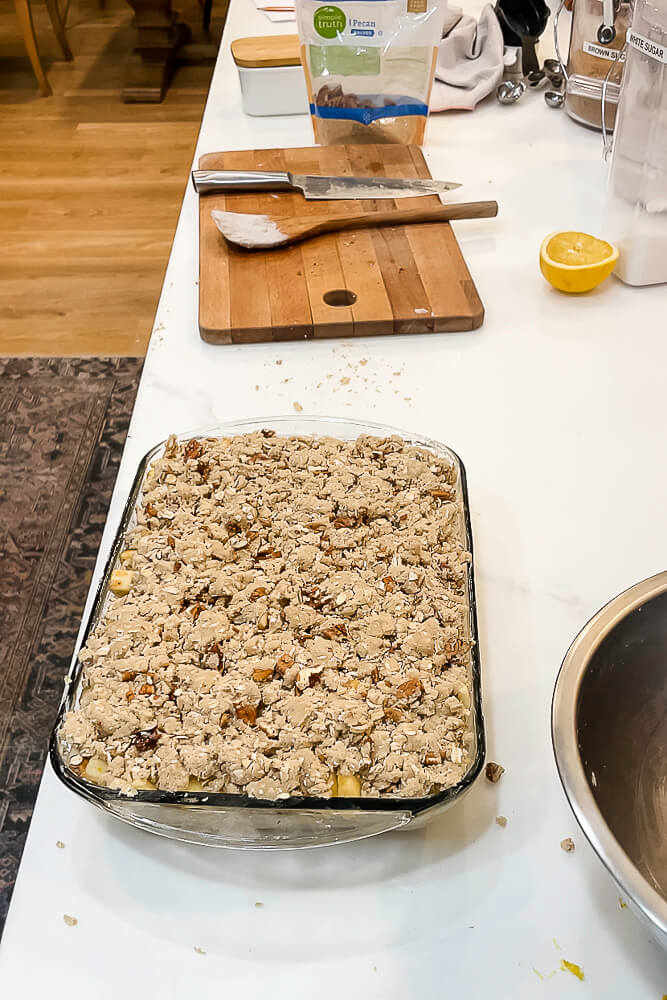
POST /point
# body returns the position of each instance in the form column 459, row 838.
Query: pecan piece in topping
column 247, row 714
column 394, row 714
column 269, row 553
column 344, row 522
column 284, row 663
column 389, row 584
column 262, row 675
column 334, row 631
column 442, row 494
column 193, row 449
column 409, row 688
column 203, row 468
column 216, row 649
column 257, row 593
column 171, row 541
column 146, row 689
column 151, row 509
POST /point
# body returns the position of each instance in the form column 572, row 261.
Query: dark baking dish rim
column 101, row 796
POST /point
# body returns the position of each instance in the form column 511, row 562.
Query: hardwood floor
column 90, row 188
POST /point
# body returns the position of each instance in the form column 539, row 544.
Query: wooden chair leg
column 208, row 6
column 24, row 15
column 59, row 28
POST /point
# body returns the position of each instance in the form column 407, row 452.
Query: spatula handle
column 437, row 213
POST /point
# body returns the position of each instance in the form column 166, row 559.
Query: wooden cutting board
column 408, row 279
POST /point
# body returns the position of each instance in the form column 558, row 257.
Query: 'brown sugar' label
column 602, row 52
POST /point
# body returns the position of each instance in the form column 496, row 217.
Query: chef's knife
column 314, row 187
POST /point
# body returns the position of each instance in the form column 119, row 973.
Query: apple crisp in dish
column 289, row 617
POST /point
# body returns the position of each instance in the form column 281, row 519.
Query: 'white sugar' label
column 602, row 52
column 653, row 49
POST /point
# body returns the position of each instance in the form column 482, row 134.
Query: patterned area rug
column 63, row 424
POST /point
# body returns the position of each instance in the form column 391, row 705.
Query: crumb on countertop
column 60, row 843
column 70, row 921
column 501, row 820
column 494, row 772
column 567, row 845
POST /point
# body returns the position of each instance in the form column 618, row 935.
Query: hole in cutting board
column 339, row 297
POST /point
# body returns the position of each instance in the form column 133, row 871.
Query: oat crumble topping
column 289, row 618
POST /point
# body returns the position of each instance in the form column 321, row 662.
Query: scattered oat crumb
column 501, row 820
column 364, row 361
column 284, row 381
column 556, row 945
column 567, row 845
column 70, row 921
column 279, row 361
column 319, row 385
column 257, row 388
column 59, row 843
column 397, row 373
column 407, row 399
column 572, row 967
column 623, row 905
column 298, row 407
column 494, row 772
column 537, row 973
column 259, row 906
column 200, row 951
column 330, row 375
column 345, row 380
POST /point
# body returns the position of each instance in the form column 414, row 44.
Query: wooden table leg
column 154, row 56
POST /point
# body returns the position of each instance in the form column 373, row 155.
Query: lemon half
column 576, row 262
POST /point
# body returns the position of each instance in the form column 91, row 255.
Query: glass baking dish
column 240, row 821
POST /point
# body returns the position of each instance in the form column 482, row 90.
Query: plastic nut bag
column 369, row 67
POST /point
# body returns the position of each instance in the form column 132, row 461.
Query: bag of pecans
column 369, row 67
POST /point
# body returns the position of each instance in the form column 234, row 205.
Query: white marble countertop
column 557, row 409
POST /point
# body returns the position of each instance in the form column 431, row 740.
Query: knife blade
column 313, row 187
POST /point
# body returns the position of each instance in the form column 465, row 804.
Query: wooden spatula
column 260, row 232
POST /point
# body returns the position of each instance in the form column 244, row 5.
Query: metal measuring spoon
column 510, row 91
column 552, row 67
column 554, row 98
column 536, row 78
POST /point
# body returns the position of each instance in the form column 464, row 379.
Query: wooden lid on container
column 267, row 50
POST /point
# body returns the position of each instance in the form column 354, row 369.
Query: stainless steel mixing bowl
column 609, row 730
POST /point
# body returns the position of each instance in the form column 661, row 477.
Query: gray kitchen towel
column 470, row 60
